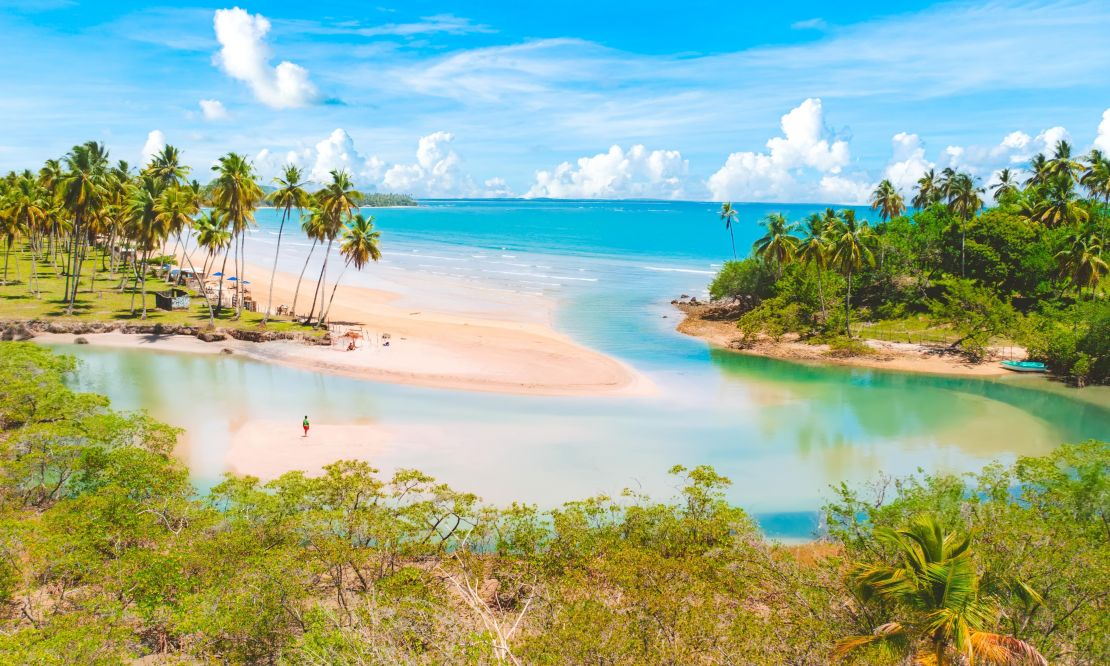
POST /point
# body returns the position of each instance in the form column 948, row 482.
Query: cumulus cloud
column 1013, row 151
column 337, row 152
column 213, row 109
column 244, row 55
column 805, row 149
column 907, row 161
column 436, row 172
column 637, row 173
column 1102, row 141
column 497, row 188
column 155, row 142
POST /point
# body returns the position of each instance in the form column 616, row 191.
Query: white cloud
column 1014, row 150
column 245, row 56
column 436, row 173
column 806, row 148
column 338, row 151
column 907, row 161
column 497, row 188
column 440, row 23
column 810, row 24
column 213, row 109
column 155, row 142
column 1102, row 141
column 638, row 173
column 845, row 190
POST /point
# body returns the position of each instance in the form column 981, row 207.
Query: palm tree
column 359, row 245
column 313, row 226
column 851, row 251
column 213, row 237
column 338, row 201
column 145, row 228
column 814, row 250
column 1082, row 263
column 928, row 192
column 1055, row 203
column 1006, row 186
column 26, row 210
column 1040, row 171
column 1097, row 181
column 174, row 210
column 166, row 168
column 944, row 611
column 887, row 201
column 946, row 184
column 11, row 228
column 730, row 215
column 778, row 246
column 963, row 201
column 81, row 193
column 1062, row 164
column 289, row 195
column 236, row 194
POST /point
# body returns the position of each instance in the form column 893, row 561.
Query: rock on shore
column 18, row 330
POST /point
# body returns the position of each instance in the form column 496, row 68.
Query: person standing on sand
column 305, row 424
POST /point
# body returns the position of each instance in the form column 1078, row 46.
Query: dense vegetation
column 1029, row 270
column 81, row 215
column 107, row 554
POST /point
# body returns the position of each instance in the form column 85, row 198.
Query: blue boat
column 1024, row 366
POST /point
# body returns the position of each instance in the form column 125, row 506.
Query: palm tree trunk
column 203, row 291
column 220, row 289
column 74, row 273
column 326, row 312
column 135, row 276
column 848, row 307
column 963, row 244
column 732, row 235
column 142, row 276
column 273, row 271
column 297, row 291
column 7, row 251
column 33, row 283
column 238, row 289
column 821, row 294
column 320, row 283
column 242, row 270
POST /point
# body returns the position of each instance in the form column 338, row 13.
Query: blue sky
column 800, row 101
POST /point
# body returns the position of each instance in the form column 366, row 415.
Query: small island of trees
column 1028, row 270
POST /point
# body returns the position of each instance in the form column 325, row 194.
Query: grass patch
column 844, row 347
column 99, row 299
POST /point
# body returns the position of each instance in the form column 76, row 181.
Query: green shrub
column 747, row 277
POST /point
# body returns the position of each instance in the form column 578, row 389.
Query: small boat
column 1024, row 366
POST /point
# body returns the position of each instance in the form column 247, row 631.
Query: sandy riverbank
column 268, row 449
column 902, row 357
column 425, row 347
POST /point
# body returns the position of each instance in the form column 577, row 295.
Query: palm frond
column 1003, row 650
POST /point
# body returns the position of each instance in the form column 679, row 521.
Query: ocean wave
column 546, row 277
column 677, row 270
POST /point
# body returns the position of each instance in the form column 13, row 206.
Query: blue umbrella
column 217, row 275
column 232, row 279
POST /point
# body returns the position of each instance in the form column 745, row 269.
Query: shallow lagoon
column 783, row 432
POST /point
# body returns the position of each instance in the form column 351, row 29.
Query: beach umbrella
column 232, row 279
column 217, row 275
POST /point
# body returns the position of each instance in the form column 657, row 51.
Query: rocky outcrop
column 723, row 309
column 25, row 330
